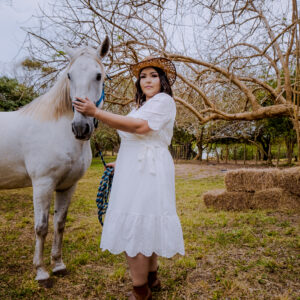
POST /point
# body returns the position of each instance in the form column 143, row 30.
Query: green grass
column 229, row 255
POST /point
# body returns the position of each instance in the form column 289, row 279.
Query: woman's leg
column 139, row 269
column 153, row 281
column 153, row 265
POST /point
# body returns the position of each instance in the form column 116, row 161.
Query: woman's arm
column 128, row 124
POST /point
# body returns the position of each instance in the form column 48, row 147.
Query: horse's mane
column 56, row 102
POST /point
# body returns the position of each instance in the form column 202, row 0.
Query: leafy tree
column 104, row 138
column 14, row 94
column 182, row 136
column 275, row 130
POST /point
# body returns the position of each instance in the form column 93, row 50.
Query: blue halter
column 102, row 97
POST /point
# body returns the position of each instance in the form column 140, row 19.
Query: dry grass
column 229, row 255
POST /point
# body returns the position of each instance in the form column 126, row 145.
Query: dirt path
column 197, row 170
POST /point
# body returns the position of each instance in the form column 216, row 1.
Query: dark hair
column 165, row 87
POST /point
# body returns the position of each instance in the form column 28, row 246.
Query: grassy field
column 229, row 255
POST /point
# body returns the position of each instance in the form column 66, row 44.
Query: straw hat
column 160, row 62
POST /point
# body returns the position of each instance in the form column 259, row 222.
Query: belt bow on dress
column 147, row 157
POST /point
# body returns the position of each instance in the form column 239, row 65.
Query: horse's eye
column 98, row 76
column 69, row 76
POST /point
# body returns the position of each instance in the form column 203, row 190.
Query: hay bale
column 223, row 200
column 275, row 198
column 289, row 201
column 268, row 198
column 251, row 180
column 289, row 180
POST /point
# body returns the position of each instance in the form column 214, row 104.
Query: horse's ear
column 103, row 49
column 69, row 51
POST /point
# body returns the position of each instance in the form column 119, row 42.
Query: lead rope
column 104, row 190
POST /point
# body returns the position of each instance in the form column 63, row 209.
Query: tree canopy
column 14, row 94
column 227, row 53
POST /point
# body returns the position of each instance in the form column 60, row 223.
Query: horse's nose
column 81, row 130
column 87, row 129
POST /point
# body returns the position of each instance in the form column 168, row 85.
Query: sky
column 14, row 14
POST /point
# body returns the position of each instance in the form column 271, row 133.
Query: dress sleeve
column 158, row 111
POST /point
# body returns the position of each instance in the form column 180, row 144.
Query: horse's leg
column 42, row 194
column 62, row 202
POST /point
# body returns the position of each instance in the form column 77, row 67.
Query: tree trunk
column 270, row 156
column 208, row 151
column 190, row 151
column 217, row 155
column 298, row 142
column 200, row 152
column 297, row 129
column 278, row 155
column 296, row 96
column 256, row 156
column 234, row 154
column 265, row 144
column 200, row 145
column 227, row 154
column 289, row 149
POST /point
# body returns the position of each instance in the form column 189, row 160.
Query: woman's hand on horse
column 111, row 165
column 85, row 106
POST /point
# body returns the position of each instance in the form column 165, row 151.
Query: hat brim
column 160, row 62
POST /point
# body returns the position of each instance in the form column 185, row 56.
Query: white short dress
column 141, row 215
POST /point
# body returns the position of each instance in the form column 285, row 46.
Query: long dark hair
column 165, row 87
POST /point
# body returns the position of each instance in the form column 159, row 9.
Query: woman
column 141, row 219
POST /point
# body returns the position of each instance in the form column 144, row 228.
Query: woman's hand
column 111, row 165
column 124, row 123
column 85, row 106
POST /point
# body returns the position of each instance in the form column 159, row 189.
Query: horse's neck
column 53, row 105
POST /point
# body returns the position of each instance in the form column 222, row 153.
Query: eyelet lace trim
column 145, row 234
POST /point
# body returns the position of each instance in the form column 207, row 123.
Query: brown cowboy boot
column 141, row 292
column 153, row 281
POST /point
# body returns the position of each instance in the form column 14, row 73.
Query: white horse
column 38, row 148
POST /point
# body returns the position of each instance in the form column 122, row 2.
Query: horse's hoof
column 62, row 272
column 46, row 283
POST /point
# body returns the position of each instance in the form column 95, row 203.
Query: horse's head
column 86, row 75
